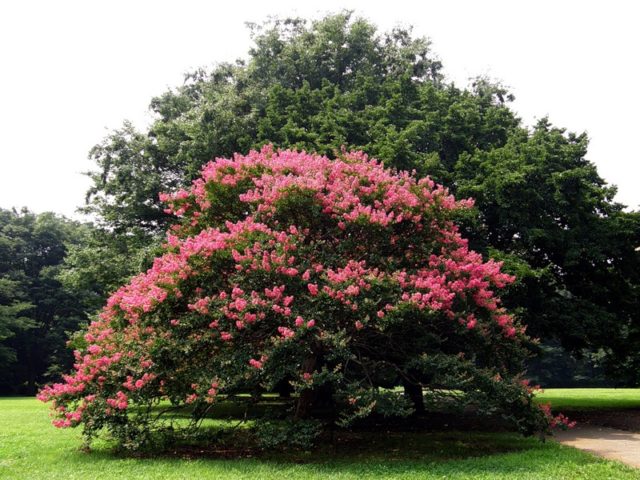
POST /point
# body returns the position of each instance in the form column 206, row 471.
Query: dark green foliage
column 98, row 262
column 548, row 213
column 554, row 367
column 300, row 434
column 36, row 311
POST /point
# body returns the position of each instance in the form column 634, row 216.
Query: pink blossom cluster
column 350, row 188
column 557, row 421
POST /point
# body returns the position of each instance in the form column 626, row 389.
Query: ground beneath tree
column 623, row 419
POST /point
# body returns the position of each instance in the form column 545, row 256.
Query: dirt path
column 605, row 442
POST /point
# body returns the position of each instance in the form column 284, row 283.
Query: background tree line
column 37, row 311
column 541, row 206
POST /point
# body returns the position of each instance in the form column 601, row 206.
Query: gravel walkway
column 603, row 441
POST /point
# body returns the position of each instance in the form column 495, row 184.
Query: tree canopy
column 541, row 205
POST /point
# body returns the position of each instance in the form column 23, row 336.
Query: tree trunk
column 31, row 376
column 305, row 400
column 284, row 388
column 413, row 391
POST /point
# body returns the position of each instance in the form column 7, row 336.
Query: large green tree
column 319, row 86
column 548, row 213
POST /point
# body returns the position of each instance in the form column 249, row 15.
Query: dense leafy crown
column 339, row 275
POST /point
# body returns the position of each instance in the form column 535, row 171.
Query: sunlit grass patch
column 590, row 398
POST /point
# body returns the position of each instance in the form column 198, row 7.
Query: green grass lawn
column 31, row 449
column 591, row 398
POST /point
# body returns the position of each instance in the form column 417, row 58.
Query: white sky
column 71, row 70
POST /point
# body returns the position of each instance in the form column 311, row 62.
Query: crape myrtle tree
column 541, row 206
column 339, row 277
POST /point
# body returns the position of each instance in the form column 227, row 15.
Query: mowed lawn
column 591, row 398
column 30, row 448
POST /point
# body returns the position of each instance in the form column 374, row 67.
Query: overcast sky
column 70, row 71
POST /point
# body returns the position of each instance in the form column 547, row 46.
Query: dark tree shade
column 36, row 311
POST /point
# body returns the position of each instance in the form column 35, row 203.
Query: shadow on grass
column 385, row 455
column 350, row 447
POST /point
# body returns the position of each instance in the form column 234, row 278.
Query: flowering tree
column 339, row 279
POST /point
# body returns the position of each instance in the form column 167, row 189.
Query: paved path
column 605, row 442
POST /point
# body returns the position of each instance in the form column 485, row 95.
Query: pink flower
column 286, row 332
column 255, row 363
column 236, row 292
column 120, row 402
column 503, row 320
column 94, row 349
column 240, row 304
column 471, row 322
column 191, row 398
column 313, row 289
